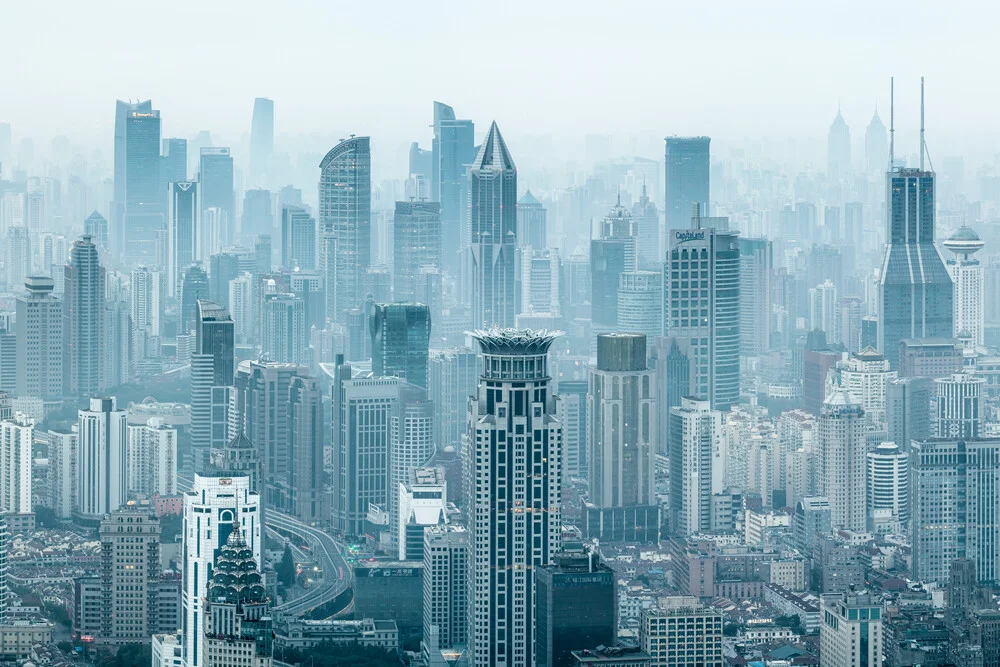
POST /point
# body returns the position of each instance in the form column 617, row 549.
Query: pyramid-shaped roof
column 493, row 154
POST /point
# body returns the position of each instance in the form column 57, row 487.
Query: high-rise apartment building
column 151, row 459
column 39, row 341
column 531, row 222
column 400, row 336
column 298, row 239
column 680, row 631
column 102, row 477
column 146, row 309
column 446, row 588
column 887, row 484
column 345, row 224
column 417, row 243
column 261, row 140
column 17, row 260
column 185, row 233
column 283, row 329
column 697, row 463
column 540, row 282
column 306, row 483
column 865, row 376
column 842, row 451
column 62, row 471
column 967, row 275
column 571, row 411
column 16, row 440
column 452, row 378
column 612, row 254
column 702, row 303
column 756, row 276
column 452, row 152
column 851, row 633
column 212, row 373
column 687, row 179
column 215, row 182
column 83, row 305
column 493, row 254
column 622, row 431
column 514, row 475
column 823, row 309
column 130, row 569
column 411, row 447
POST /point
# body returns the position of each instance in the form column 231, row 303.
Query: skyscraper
column 306, row 480
column 842, row 450
column 647, row 224
column 298, row 239
column 446, row 588
column 967, row 277
column 215, row 180
column 697, row 463
column 283, row 329
column 540, row 281
column 83, row 306
column 257, row 219
column 411, row 448
column 40, row 321
column 621, row 439
column 17, row 260
column 611, row 255
column 138, row 195
column 400, row 336
column 452, row 378
column 756, row 276
column 959, row 406
column 702, row 303
column 680, row 631
column 915, row 297
column 876, row 147
column 687, row 179
column 194, row 286
column 513, row 492
column 101, row 460
column 185, row 242
column 130, row 567
column 416, row 243
column 908, row 410
column 173, row 163
column 261, row 140
column 453, row 152
column 640, row 303
column 493, row 254
column 212, row 376
column 345, row 193
column 148, row 291
column 838, row 149
column 888, row 485
column 16, row 441
column 851, row 630
column 531, row 222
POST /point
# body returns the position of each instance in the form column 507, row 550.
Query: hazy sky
column 727, row 69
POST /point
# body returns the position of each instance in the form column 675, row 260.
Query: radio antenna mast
column 921, row 123
column 892, row 121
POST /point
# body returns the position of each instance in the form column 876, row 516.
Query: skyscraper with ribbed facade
column 452, row 151
column 84, row 306
column 212, row 373
column 345, row 193
column 400, row 337
column 843, row 450
column 417, row 243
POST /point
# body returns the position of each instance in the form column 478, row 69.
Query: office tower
column 222, row 267
column 915, row 296
column 446, row 589
column 539, row 282
column 173, row 163
column 674, row 364
column 680, row 631
column 357, row 343
column 147, row 296
column 811, row 519
column 640, row 303
column 212, row 375
column 257, row 218
column 40, row 321
column 575, row 286
column 241, row 307
column 647, row 225
column 83, row 306
column 959, row 406
column 96, row 226
column 416, row 243
column 361, row 440
column 422, row 500
column 575, row 607
column 697, row 463
column 215, row 180
column 611, row 255
column 453, row 151
column 942, row 472
column 865, row 375
column 262, row 252
column 838, row 150
column 308, row 286
column 817, row 361
column 216, row 505
column 18, row 258
column 117, row 363
column 514, row 490
column 887, row 481
column 184, row 232
column 876, row 147
column 847, row 326
column 621, row 439
column 851, row 631
column 421, row 165
column 261, row 140
column 571, row 411
column 400, row 336
column 493, row 254
column 967, row 277
column 138, row 206
column 702, row 303
column 532, row 231
column 62, row 471
column 345, row 193
column 4, row 591
column 930, row 357
column 194, row 287
column 306, row 483
column 842, row 449
column 756, row 271
column 823, row 309
column 151, row 459
column 411, row 447
column 452, row 378
column 130, row 566
column 8, row 354
column 298, row 239
column 687, row 178
column 16, row 436
column 908, row 410
column 101, row 460
column 283, row 329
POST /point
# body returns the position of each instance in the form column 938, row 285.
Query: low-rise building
column 301, row 633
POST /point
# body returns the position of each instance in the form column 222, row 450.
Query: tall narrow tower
column 513, row 489
column 967, row 276
column 84, row 305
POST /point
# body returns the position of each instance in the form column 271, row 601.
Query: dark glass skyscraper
column 687, row 179
column 453, row 151
column 494, row 234
column 173, row 163
column 915, row 291
column 400, row 334
column 610, row 256
column 417, row 244
column 183, row 231
column 216, row 185
column 212, row 374
column 298, row 239
column 137, row 182
column 84, row 307
column 345, row 194
column 261, row 139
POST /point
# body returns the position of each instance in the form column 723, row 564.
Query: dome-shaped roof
column 964, row 241
column 964, row 233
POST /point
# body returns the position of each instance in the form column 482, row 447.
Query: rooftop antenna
column 892, row 121
column 921, row 123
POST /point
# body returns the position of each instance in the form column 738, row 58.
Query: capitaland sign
column 689, row 236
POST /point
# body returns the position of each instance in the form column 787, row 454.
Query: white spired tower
column 967, row 277
column 513, row 481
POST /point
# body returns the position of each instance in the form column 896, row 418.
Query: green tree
column 286, row 568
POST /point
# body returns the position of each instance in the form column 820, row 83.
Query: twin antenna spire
column 892, row 126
